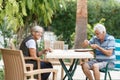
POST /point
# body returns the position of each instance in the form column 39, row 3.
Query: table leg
column 72, row 68
column 66, row 70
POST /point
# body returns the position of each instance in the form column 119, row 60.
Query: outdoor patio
column 79, row 75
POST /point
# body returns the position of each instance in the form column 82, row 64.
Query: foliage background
column 106, row 10
column 64, row 22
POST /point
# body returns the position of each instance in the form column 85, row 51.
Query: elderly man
column 30, row 48
column 104, row 46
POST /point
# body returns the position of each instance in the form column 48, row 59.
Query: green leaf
column 8, row 9
column 29, row 4
column 1, row 1
column 15, row 7
column 23, row 8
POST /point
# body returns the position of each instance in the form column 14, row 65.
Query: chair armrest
column 29, row 73
column 37, row 59
column 31, row 58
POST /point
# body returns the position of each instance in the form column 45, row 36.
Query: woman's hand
column 47, row 50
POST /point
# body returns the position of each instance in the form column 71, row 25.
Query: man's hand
column 94, row 46
column 85, row 43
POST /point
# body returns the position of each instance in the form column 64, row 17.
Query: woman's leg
column 45, row 76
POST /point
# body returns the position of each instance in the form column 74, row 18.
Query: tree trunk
column 81, row 23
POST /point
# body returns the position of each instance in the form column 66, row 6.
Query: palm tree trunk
column 81, row 23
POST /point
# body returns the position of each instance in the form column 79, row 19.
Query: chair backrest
column 58, row 45
column 55, row 45
column 46, row 44
column 117, row 53
column 14, row 64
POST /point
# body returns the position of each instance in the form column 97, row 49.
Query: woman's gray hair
column 100, row 28
column 37, row 28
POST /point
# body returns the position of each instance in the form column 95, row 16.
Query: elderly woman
column 29, row 48
column 104, row 46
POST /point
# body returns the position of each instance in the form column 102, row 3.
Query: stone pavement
column 79, row 75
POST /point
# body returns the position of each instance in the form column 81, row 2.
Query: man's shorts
column 101, row 64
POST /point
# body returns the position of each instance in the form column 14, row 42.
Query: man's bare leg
column 96, row 72
column 85, row 68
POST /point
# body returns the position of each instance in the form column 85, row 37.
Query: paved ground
column 79, row 75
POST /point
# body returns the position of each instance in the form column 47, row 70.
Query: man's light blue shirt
column 108, row 43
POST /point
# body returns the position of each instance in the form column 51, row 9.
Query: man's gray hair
column 37, row 28
column 100, row 28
